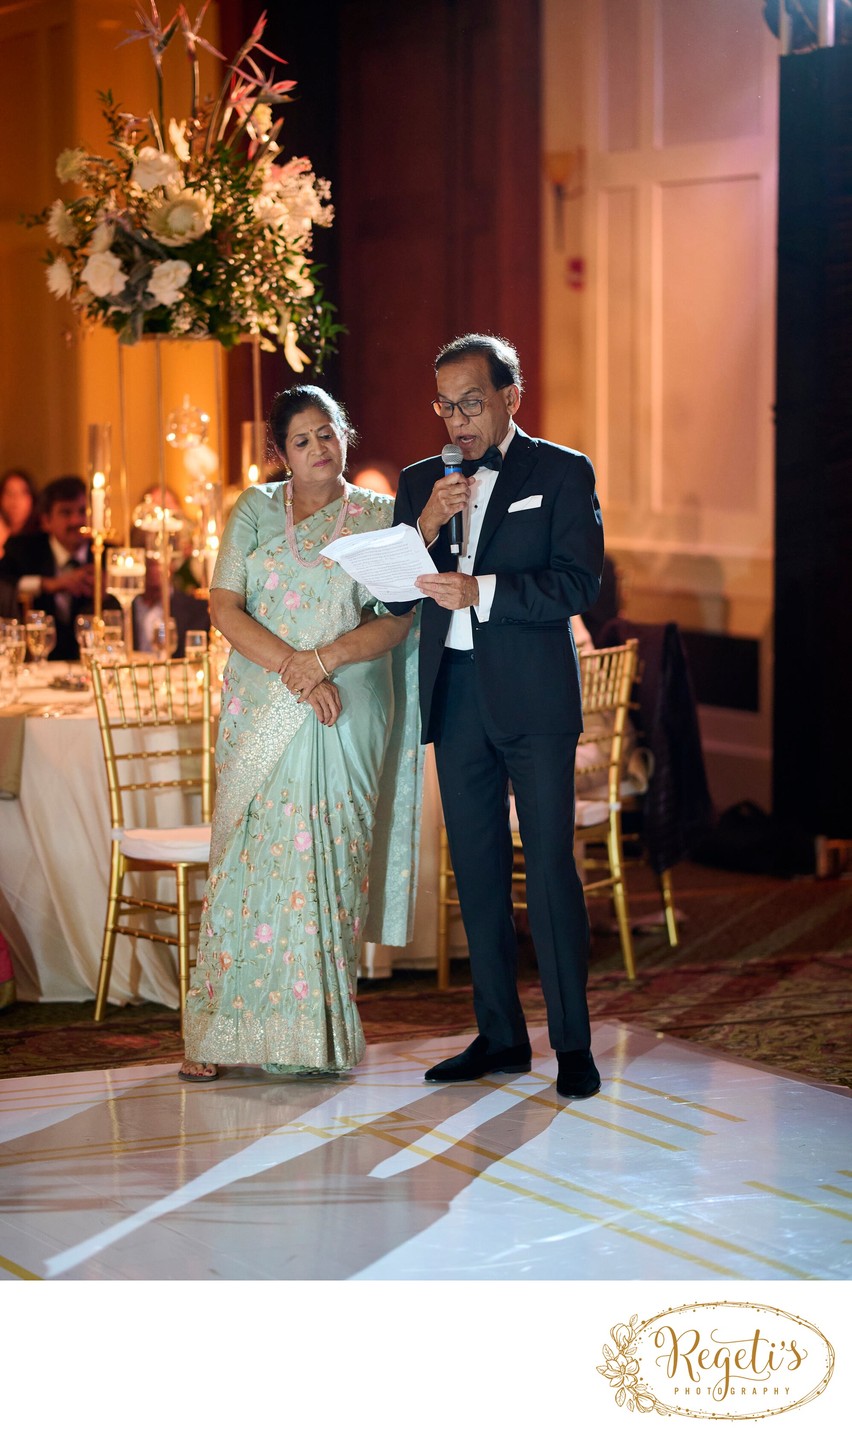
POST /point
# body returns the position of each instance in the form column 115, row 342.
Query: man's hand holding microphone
column 446, row 505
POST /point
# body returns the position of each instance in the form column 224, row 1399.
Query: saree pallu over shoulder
column 314, row 827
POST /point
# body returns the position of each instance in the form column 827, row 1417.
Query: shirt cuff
column 423, row 537
column 487, row 589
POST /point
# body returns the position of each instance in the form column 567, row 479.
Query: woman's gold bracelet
column 322, row 666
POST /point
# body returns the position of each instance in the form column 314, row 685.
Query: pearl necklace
column 290, row 527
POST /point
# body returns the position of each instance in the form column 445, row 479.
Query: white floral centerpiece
column 194, row 227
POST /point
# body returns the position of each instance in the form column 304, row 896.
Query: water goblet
column 125, row 580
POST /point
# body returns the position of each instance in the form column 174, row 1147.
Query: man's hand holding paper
column 385, row 561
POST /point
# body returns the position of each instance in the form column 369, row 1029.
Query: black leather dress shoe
column 578, row 1077
column 476, row 1061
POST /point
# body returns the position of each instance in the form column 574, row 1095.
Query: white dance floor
column 688, row 1165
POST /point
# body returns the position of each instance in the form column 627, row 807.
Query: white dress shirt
column 460, row 632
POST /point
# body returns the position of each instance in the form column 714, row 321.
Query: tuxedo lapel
column 520, row 458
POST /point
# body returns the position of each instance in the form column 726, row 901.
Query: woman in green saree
column 318, row 766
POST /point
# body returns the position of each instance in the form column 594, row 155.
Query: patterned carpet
column 763, row 971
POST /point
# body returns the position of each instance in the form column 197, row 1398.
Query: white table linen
column 54, row 866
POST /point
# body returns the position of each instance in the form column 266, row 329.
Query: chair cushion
column 190, row 845
column 591, row 811
column 587, row 811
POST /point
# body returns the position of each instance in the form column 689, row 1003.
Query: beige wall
column 54, row 380
column 662, row 365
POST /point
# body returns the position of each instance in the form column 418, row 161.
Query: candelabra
column 100, row 517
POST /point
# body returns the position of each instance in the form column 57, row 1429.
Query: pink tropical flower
column 311, row 928
column 272, row 582
column 300, row 988
column 292, row 599
column 356, row 508
column 263, row 933
column 289, row 809
column 297, row 900
column 356, row 926
column 303, row 841
column 235, row 706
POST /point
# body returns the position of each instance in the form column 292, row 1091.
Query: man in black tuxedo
column 500, row 697
column 186, row 611
column 53, row 570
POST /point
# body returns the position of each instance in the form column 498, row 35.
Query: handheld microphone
column 451, row 457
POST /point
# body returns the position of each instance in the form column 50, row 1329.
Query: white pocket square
column 532, row 501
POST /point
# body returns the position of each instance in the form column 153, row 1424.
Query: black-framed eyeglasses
column 444, row 407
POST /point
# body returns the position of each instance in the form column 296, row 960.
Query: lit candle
column 211, row 554
column 98, row 502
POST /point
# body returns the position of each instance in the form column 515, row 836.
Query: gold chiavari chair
column 607, row 677
column 157, row 732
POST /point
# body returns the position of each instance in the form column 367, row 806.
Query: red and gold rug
column 763, row 972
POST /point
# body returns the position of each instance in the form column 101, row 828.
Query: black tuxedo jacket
column 32, row 554
column 547, row 557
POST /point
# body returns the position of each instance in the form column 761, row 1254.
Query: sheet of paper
column 385, row 561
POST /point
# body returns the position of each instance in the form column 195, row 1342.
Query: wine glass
column 125, row 576
column 41, row 640
column 164, row 639
column 14, row 642
column 85, row 631
column 195, row 643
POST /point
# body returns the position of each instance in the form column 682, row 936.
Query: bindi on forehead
column 313, row 429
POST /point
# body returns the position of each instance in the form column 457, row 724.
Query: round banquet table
column 54, row 865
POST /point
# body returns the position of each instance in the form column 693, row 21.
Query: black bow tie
column 492, row 459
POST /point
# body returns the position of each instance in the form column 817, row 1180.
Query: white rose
column 60, row 225
column 102, row 238
column 167, row 281
column 104, row 275
column 59, row 279
column 300, row 280
column 69, row 165
column 153, row 169
column 183, row 218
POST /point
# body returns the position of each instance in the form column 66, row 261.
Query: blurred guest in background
column 52, row 570
column 17, row 506
column 186, row 611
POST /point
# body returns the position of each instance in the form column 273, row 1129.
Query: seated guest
column 53, row 570
column 187, row 611
column 17, row 506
